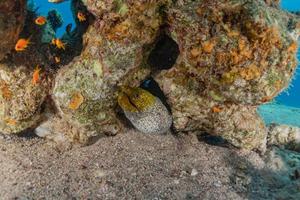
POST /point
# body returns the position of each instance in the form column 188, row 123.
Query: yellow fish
column 58, row 43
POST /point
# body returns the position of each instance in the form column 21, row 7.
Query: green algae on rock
column 83, row 98
column 94, row 76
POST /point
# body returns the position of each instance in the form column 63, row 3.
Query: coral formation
column 20, row 99
column 233, row 54
column 108, row 59
column 243, row 51
column 232, row 57
column 194, row 113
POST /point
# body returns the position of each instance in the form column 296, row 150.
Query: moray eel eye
column 135, row 99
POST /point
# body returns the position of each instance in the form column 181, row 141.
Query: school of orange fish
column 23, row 43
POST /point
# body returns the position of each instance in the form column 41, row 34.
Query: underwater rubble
column 215, row 61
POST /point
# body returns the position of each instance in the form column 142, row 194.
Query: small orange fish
column 22, row 44
column 11, row 122
column 216, row 109
column 40, row 20
column 36, row 76
column 58, row 43
column 266, row 99
column 81, row 17
column 76, row 100
column 57, row 59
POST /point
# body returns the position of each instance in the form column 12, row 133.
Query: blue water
column 291, row 5
column 291, row 97
column 286, row 107
column 63, row 8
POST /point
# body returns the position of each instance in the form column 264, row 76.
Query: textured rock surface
column 12, row 17
column 274, row 3
column 234, row 56
column 284, row 136
column 113, row 57
column 239, row 124
column 20, row 99
column 237, row 51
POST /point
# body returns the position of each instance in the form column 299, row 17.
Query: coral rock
column 85, row 90
column 233, row 57
column 230, row 56
column 238, row 124
column 284, row 135
column 235, row 47
column 20, row 100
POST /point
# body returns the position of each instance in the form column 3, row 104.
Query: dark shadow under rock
column 164, row 54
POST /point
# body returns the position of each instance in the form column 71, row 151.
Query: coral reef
column 109, row 58
column 233, row 54
column 243, row 51
column 215, row 62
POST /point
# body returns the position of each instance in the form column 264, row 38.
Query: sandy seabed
column 137, row 166
column 280, row 114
